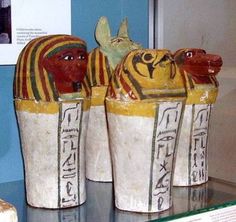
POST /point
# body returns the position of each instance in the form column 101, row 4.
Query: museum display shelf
column 187, row 202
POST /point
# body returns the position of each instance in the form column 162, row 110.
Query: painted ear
column 102, row 32
column 179, row 56
column 123, row 30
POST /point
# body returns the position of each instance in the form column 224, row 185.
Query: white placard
column 30, row 19
column 227, row 214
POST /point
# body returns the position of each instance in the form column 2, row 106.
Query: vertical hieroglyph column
column 70, row 120
column 163, row 147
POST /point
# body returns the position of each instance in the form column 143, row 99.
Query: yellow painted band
column 135, row 108
column 202, row 96
column 98, row 95
column 33, row 106
column 86, row 104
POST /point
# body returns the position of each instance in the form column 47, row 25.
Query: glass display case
column 99, row 206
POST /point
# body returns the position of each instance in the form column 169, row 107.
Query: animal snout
column 214, row 60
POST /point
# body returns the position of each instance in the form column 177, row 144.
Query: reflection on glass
column 100, row 207
column 190, row 198
column 99, row 203
column 66, row 215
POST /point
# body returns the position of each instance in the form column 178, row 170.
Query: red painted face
column 198, row 64
column 68, row 68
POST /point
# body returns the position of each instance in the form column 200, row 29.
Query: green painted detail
column 67, row 46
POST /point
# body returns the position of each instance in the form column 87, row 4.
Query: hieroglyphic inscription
column 164, row 140
column 69, row 137
column 198, row 147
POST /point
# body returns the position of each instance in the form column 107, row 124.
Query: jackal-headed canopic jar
column 101, row 64
column 199, row 71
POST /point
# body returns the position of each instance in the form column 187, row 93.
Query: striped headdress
column 99, row 70
column 32, row 80
column 146, row 74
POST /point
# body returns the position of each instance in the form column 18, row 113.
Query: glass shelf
column 99, row 206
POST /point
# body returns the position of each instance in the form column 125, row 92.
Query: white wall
column 222, row 138
column 208, row 24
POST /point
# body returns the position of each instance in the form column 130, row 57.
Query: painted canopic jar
column 199, row 70
column 144, row 105
column 52, row 102
column 101, row 64
column 8, row 212
column 98, row 160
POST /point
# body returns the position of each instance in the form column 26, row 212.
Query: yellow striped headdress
column 32, row 80
column 146, row 74
column 99, row 70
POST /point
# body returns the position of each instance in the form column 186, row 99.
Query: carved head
column 146, row 74
column 114, row 47
column 198, row 63
column 49, row 67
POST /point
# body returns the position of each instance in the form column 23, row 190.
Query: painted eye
column 166, row 138
column 119, row 40
column 189, row 54
column 147, row 57
column 68, row 57
column 200, row 134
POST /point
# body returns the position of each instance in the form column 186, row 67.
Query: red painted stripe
column 25, row 56
column 127, row 88
column 101, row 68
column 112, row 92
column 17, row 85
column 43, row 81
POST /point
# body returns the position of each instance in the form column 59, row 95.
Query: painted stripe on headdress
column 32, row 81
column 99, row 70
